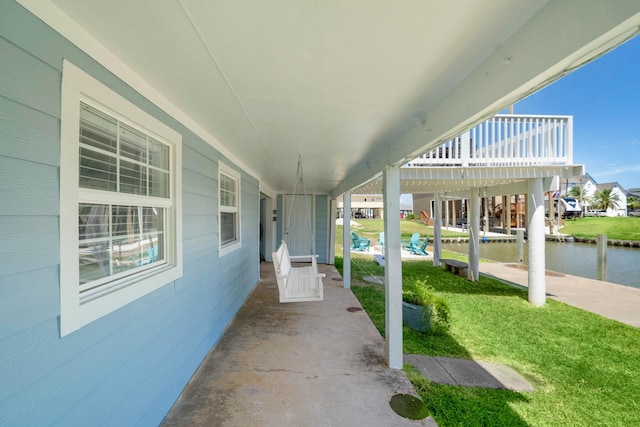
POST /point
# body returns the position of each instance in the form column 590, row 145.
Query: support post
column 507, row 209
column 485, row 216
column 333, row 210
column 446, row 211
column 473, row 220
column 453, row 216
column 346, row 240
column 536, row 241
column 520, row 246
column 393, row 267
column 602, row 257
column 552, row 214
column 519, row 211
column 437, row 231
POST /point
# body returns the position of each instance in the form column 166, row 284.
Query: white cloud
column 619, row 169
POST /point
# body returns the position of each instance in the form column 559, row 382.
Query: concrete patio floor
column 303, row 364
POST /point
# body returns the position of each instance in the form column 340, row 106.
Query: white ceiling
column 351, row 85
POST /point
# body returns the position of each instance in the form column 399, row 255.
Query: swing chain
column 299, row 186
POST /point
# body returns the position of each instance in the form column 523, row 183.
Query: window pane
column 158, row 183
column 125, row 254
column 158, row 154
column 125, row 222
column 133, row 144
column 133, row 178
column 116, row 239
column 153, row 232
column 227, row 191
column 227, row 227
column 94, row 242
column 97, row 170
column 97, row 129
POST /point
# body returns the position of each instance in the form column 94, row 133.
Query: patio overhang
column 351, row 86
column 494, row 181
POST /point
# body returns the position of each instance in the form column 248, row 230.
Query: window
column 120, row 206
column 228, row 209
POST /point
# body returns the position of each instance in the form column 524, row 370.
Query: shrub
column 417, row 292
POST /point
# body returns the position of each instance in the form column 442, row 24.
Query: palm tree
column 578, row 193
column 605, row 199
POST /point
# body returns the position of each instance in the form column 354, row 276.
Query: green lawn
column 584, row 367
column 616, row 228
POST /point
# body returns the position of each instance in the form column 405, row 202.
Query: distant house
column 590, row 187
column 363, row 206
column 621, row 208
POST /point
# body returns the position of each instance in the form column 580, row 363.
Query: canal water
column 577, row 259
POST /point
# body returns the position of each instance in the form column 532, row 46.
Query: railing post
column 568, row 141
column 465, row 147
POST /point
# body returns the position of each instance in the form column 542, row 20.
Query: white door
column 299, row 224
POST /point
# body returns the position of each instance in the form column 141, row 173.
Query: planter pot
column 417, row 317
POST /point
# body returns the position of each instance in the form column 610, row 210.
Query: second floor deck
column 507, row 140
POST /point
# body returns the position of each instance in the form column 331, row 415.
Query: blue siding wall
column 128, row 367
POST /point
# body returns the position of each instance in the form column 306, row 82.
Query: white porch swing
column 298, row 284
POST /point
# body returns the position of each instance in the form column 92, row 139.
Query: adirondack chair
column 359, row 244
column 420, row 248
column 381, row 240
column 408, row 244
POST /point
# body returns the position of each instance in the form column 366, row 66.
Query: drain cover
column 408, row 406
column 353, row 309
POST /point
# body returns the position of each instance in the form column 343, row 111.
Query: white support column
column 485, row 216
column 446, row 211
column 346, row 239
column 508, row 214
column 536, row 241
column 473, row 220
column 453, row 216
column 437, row 231
column 333, row 210
column 393, row 266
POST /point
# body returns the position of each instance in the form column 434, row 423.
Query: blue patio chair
column 359, row 244
column 420, row 248
column 381, row 240
column 408, row 244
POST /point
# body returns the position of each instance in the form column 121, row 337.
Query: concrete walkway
column 469, row 373
column 295, row 364
column 618, row 302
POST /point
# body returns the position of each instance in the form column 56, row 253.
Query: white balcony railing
column 507, row 140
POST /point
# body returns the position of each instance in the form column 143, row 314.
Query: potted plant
column 422, row 308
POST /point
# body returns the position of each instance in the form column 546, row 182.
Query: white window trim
column 229, row 247
column 79, row 86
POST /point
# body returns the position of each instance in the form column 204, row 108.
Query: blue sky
column 604, row 99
